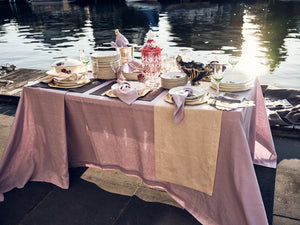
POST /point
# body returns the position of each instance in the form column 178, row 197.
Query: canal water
column 265, row 35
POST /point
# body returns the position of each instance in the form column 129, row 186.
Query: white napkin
column 62, row 77
column 230, row 97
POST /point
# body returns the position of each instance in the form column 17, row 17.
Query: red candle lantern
column 151, row 60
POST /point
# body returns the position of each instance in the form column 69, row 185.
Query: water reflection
column 267, row 32
column 280, row 20
column 207, row 26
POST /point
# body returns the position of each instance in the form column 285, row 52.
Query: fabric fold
column 125, row 92
column 132, row 66
column 121, row 41
column 179, row 100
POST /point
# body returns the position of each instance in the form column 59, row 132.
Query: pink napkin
column 125, row 93
column 120, row 42
column 132, row 66
column 179, row 100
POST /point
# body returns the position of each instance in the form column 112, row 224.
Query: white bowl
column 131, row 76
column 173, row 79
column 68, row 65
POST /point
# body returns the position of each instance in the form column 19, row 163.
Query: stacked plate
column 67, row 83
column 233, row 85
column 102, row 63
column 173, row 79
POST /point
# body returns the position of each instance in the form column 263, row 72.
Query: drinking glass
column 218, row 74
column 233, row 60
column 84, row 59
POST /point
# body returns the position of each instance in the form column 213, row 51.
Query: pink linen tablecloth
column 55, row 130
column 34, row 147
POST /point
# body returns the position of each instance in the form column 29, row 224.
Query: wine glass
column 233, row 60
column 218, row 74
column 84, row 59
column 186, row 55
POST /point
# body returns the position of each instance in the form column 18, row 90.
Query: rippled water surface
column 264, row 34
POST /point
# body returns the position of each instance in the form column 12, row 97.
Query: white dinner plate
column 139, row 86
column 233, row 87
column 198, row 92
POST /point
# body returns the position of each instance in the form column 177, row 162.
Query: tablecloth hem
column 133, row 173
column 266, row 163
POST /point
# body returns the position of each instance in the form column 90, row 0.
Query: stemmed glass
column 218, row 74
column 84, row 59
column 233, row 60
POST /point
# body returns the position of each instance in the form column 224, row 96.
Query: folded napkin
column 179, row 100
column 230, row 97
column 228, row 106
column 120, row 42
column 125, row 92
column 132, row 67
column 62, row 77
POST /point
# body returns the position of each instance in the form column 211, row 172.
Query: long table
column 55, row 129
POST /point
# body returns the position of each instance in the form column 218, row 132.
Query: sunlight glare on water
column 252, row 57
column 265, row 34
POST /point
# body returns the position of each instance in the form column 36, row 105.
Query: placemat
column 88, row 86
column 93, row 83
column 100, row 91
column 152, row 94
column 148, row 97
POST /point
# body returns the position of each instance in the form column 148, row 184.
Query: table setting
column 127, row 91
column 172, row 73
column 172, row 128
column 67, row 73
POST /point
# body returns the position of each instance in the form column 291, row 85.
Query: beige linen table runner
column 186, row 153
